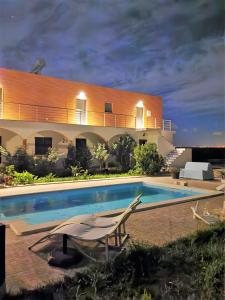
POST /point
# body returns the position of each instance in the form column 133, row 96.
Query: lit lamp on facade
column 81, row 96
column 140, row 104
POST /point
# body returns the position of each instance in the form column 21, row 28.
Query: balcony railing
column 37, row 113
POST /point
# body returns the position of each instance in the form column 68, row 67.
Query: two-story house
column 38, row 112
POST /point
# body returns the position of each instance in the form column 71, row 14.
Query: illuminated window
column 108, row 107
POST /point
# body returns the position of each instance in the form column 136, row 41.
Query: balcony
column 36, row 113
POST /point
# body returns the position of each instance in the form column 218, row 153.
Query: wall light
column 149, row 113
column 140, row 104
column 81, row 96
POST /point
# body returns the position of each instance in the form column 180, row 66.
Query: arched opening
column 10, row 140
column 89, row 139
column 39, row 142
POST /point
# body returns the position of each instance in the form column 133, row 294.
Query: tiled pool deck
column 25, row 269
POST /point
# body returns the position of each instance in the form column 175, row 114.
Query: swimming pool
column 45, row 207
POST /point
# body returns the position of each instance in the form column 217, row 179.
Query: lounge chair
column 90, row 229
column 205, row 216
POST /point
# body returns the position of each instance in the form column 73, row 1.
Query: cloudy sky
column 172, row 48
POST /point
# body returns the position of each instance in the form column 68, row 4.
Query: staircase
column 173, row 155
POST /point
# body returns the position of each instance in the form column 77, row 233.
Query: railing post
column 2, row 261
column 115, row 121
column 155, row 123
column 19, row 111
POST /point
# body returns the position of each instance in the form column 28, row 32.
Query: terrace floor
column 26, row 269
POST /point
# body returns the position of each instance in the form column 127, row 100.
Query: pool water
column 51, row 206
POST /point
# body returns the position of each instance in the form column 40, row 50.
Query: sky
column 170, row 48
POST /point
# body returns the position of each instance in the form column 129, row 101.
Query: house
column 38, row 112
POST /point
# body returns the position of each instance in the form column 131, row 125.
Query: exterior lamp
column 140, row 104
column 81, row 96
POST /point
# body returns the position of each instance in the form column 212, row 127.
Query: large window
column 108, row 107
column 81, row 143
column 42, row 144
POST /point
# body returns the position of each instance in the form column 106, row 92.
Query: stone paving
column 26, row 269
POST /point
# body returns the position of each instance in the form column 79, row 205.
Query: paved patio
column 26, row 269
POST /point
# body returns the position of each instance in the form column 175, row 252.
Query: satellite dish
column 38, row 66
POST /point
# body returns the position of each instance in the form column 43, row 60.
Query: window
column 42, row 144
column 81, row 143
column 108, row 107
column 142, row 142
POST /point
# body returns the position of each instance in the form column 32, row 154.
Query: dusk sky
column 170, row 48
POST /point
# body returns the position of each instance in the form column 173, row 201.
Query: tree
column 101, row 154
column 123, row 151
column 148, row 160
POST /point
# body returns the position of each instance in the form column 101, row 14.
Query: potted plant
column 174, row 173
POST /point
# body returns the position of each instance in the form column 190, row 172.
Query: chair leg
column 116, row 241
column 106, row 248
column 65, row 243
column 124, row 228
column 119, row 229
column 82, row 251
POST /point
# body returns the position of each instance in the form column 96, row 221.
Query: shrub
column 83, row 158
column 41, row 166
column 123, row 151
column 52, row 156
column 101, row 154
column 148, row 160
column 23, row 178
column 71, row 156
column 21, row 160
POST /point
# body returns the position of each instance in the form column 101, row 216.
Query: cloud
column 217, row 133
column 164, row 47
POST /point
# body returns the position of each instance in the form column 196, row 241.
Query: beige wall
column 15, row 132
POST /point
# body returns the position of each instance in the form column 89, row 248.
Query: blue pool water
column 51, row 206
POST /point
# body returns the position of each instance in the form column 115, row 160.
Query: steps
column 173, row 155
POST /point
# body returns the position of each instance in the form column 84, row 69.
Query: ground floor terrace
column 26, row 269
column 37, row 137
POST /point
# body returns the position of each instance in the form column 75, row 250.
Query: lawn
column 189, row 268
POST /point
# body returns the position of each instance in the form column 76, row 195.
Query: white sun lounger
column 205, row 217
column 95, row 230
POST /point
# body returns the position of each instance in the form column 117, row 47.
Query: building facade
column 38, row 112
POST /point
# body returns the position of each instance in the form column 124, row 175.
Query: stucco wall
column 14, row 133
column 30, row 89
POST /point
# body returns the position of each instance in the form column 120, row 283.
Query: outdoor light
column 149, row 113
column 81, row 96
column 140, row 104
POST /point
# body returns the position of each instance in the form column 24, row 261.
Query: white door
column 139, row 118
column 81, row 115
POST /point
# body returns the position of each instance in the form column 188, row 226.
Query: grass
column 189, row 268
column 81, row 177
